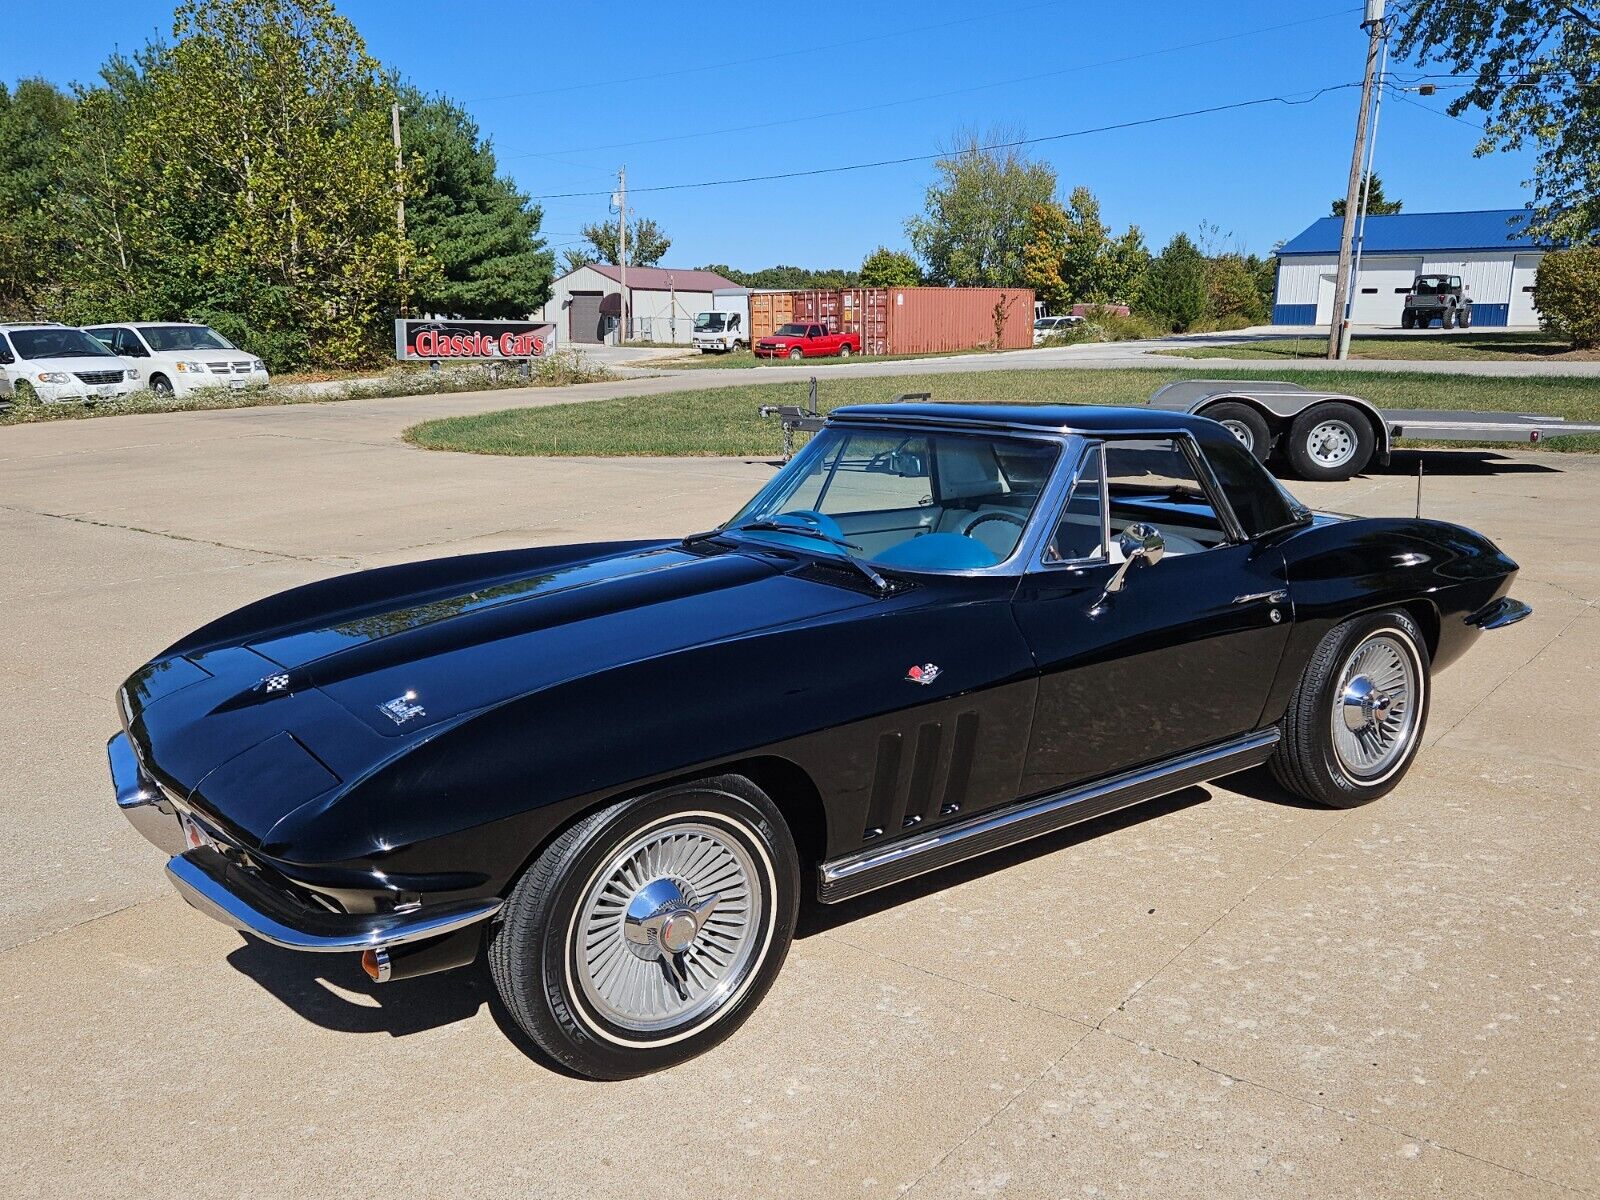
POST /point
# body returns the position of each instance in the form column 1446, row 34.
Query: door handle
column 1276, row 596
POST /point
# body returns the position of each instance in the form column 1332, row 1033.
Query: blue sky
column 558, row 87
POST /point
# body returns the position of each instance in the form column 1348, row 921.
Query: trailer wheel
column 1245, row 423
column 1329, row 442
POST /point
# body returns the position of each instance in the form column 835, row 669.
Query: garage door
column 1523, row 270
column 1381, row 290
column 583, row 316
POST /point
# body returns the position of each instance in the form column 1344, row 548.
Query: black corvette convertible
column 940, row 630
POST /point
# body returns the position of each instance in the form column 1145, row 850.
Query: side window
column 1151, row 481
column 128, row 343
column 733, row 323
column 1257, row 499
column 1080, row 533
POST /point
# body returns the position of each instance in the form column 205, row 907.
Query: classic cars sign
column 433, row 339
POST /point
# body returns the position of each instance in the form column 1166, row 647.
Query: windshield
column 1432, row 285
column 712, row 322
column 791, row 331
column 185, row 337
column 1044, row 323
column 904, row 498
column 58, row 343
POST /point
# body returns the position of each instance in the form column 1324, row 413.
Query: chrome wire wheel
column 1376, row 706
column 671, row 926
column 1331, row 443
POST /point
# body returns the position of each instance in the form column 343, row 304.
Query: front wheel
column 161, row 385
column 1355, row 720
column 650, row 930
column 1329, row 442
column 796, row 354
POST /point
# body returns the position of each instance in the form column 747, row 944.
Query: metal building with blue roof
column 1491, row 251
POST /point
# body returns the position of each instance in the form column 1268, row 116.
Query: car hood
column 86, row 362
column 255, row 724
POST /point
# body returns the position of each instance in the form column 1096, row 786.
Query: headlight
column 196, row 367
column 54, row 377
column 132, row 373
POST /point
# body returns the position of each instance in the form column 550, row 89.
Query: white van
column 178, row 357
column 57, row 364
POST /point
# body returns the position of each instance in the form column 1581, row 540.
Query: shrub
column 1566, row 291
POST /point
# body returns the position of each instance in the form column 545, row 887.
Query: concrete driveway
column 1221, row 994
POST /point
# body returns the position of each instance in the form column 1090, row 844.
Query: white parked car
column 57, row 364
column 1045, row 326
column 178, row 358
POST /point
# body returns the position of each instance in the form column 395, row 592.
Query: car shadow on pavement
column 332, row 991
column 816, row 917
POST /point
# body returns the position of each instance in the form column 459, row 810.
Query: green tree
column 474, row 223
column 33, row 120
column 1567, row 292
column 1533, row 66
column 1088, row 245
column 976, row 221
column 1175, row 287
column 1378, row 205
column 887, row 268
column 647, row 244
column 1232, row 293
column 1127, row 262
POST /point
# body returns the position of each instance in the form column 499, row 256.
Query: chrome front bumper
column 240, row 897
column 1500, row 613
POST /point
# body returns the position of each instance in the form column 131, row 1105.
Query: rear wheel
column 648, row 932
column 1465, row 317
column 1355, row 720
column 1245, row 423
column 1330, row 442
column 1447, row 319
column 844, row 351
column 1408, row 320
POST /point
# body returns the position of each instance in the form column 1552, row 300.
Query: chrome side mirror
column 1138, row 543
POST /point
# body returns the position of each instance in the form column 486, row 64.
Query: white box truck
column 727, row 325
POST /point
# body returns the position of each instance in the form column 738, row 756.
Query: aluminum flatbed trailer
column 1333, row 435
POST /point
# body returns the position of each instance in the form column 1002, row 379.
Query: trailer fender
column 1281, row 408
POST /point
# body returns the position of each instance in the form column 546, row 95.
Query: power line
column 742, row 62
column 981, row 87
column 1309, row 97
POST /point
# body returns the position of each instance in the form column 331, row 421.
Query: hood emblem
column 402, row 708
column 925, row 674
column 275, row 683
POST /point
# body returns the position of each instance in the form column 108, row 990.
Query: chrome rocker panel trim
column 852, row 874
column 1502, row 612
column 239, row 898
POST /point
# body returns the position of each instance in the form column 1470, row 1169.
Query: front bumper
column 1499, row 613
column 81, row 393
column 247, row 900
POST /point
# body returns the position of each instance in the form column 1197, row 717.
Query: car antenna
column 1419, row 487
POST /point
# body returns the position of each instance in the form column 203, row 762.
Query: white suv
column 57, row 364
column 178, row 358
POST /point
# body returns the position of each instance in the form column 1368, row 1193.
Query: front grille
column 99, row 376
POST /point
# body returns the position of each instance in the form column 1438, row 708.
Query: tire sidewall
column 546, row 978
column 1344, row 790
column 1260, row 432
column 1299, row 453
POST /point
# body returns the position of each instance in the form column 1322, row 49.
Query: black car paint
column 550, row 685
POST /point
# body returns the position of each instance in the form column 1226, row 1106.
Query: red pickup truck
column 807, row 340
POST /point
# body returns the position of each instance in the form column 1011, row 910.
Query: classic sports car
column 940, row 630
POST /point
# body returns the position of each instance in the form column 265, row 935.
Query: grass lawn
column 726, row 420
column 745, row 360
column 1493, row 345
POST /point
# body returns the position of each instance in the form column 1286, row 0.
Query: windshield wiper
column 770, row 526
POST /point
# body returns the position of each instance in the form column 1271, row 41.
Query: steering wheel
column 994, row 515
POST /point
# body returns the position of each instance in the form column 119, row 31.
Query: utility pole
column 622, row 245
column 1338, row 332
column 400, row 202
